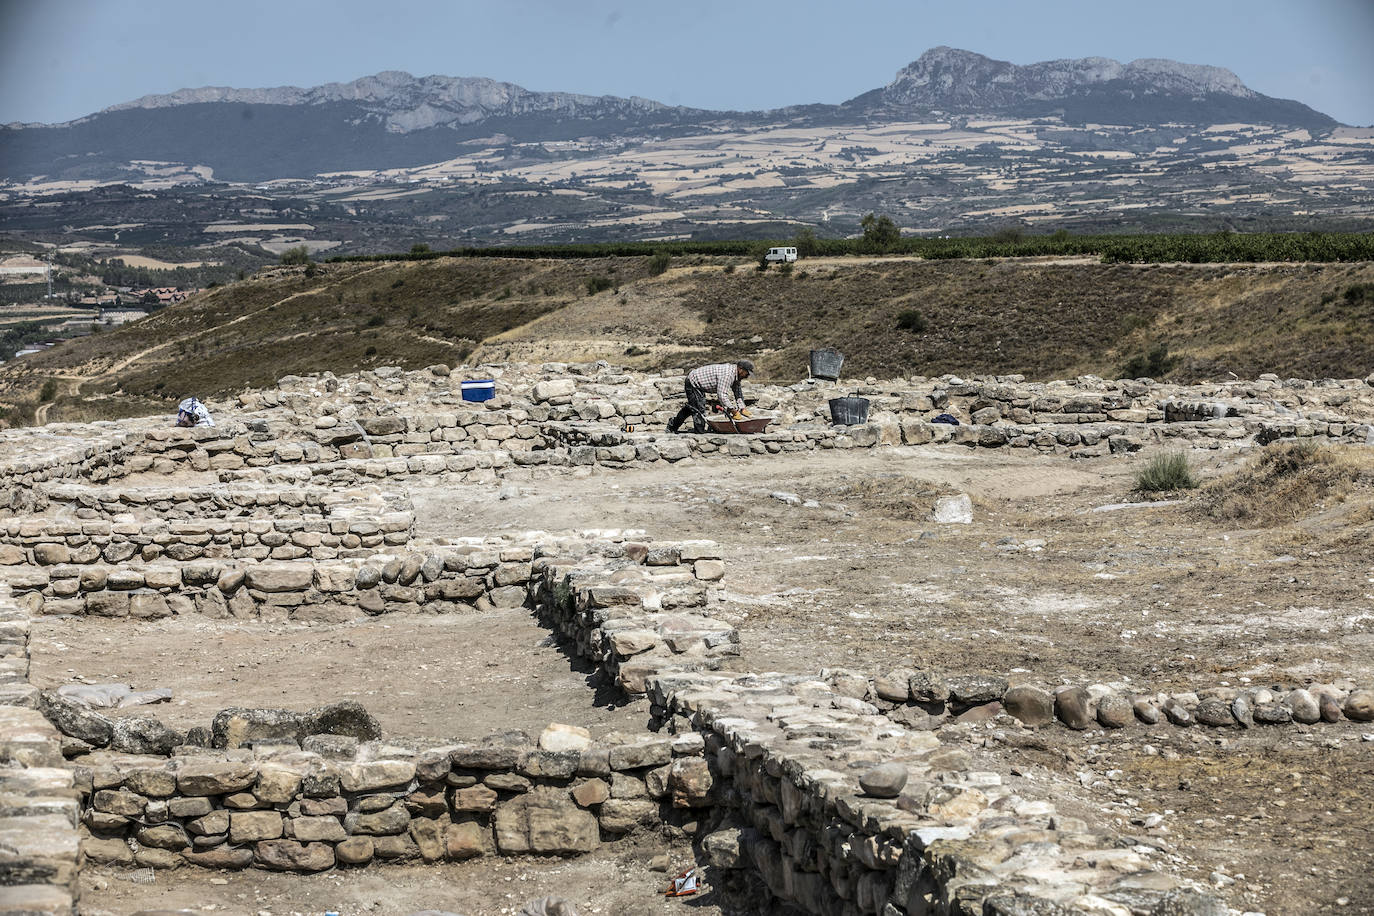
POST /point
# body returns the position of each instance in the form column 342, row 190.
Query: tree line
column 882, row 236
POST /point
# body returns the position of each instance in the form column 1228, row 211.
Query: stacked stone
column 213, row 501
column 53, row 542
column 644, row 612
column 330, row 800
column 841, row 811
column 39, row 808
column 432, row 578
column 927, row 699
column 465, row 467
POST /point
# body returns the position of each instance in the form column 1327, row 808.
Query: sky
column 63, row 59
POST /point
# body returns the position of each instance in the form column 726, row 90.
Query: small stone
column 356, row 850
column 1359, row 706
column 1146, row 711
column 1244, row 711
column 1273, row 714
column 1177, row 713
column 884, row 781
column 1305, row 707
column 1330, row 709
column 1114, row 711
column 1071, row 705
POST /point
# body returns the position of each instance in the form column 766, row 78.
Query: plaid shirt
column 723, row 379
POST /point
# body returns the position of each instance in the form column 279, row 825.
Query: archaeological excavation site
column 371, row 645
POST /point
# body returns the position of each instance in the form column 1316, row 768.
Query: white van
column 781, row 254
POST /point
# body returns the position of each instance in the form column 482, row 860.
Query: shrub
column 1166, row 472
column 1289, row 480
column 1154, row 363
column 729, row 268
column 785, row 270
column 636, row 351
column 911, row 320
column 1358, row 293
column 659, row 263
column 49, row 391
column 598, row 284
column 296, row 256
column 376, row 321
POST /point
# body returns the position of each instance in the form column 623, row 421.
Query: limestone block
column 544, row 821
column 560, row 737
column 357, row 850
column 280, row 577
column 466, row 840
column 287, row 855
column 198, row 776
column 317, row 829
column 622, row 815
column 249, row 826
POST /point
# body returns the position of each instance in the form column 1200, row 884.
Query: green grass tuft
column 1166, row 473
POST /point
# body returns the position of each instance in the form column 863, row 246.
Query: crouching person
column 721, row 379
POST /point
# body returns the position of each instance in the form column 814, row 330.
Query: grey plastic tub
column 850, row 411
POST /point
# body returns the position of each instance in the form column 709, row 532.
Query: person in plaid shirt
column 722, row 379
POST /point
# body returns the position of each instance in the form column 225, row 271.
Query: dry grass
column 1036, row 318
column 1287, row 483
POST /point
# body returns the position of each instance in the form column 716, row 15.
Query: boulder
column 238, row 725
column 347, row 718
column 1216, row 713
column 75, row 719
column 1073, row 707
column 1030, row 705
column 975, row 689
column 1359, row 706
column 143, row 735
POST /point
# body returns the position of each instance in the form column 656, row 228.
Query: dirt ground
column 428, row 679
column 615, row 881
column 1041, row 586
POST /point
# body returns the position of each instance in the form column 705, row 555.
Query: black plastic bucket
column 848, row 411
column 826, row 364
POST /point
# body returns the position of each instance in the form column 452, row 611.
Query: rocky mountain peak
column 953, row 79
column 407, row 103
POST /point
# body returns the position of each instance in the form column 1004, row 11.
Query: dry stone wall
column 333, row 801
column 40, row 846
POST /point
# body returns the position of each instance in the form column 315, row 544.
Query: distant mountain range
column 394, row 120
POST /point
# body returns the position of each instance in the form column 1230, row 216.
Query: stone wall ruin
column 828, row 787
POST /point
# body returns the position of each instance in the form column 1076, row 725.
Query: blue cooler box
column 481, row 389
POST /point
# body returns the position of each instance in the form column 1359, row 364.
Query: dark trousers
column 696, row 409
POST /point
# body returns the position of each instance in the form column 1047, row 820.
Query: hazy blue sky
column 61, row 59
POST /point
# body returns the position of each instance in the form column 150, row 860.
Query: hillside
column 1041, row 318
